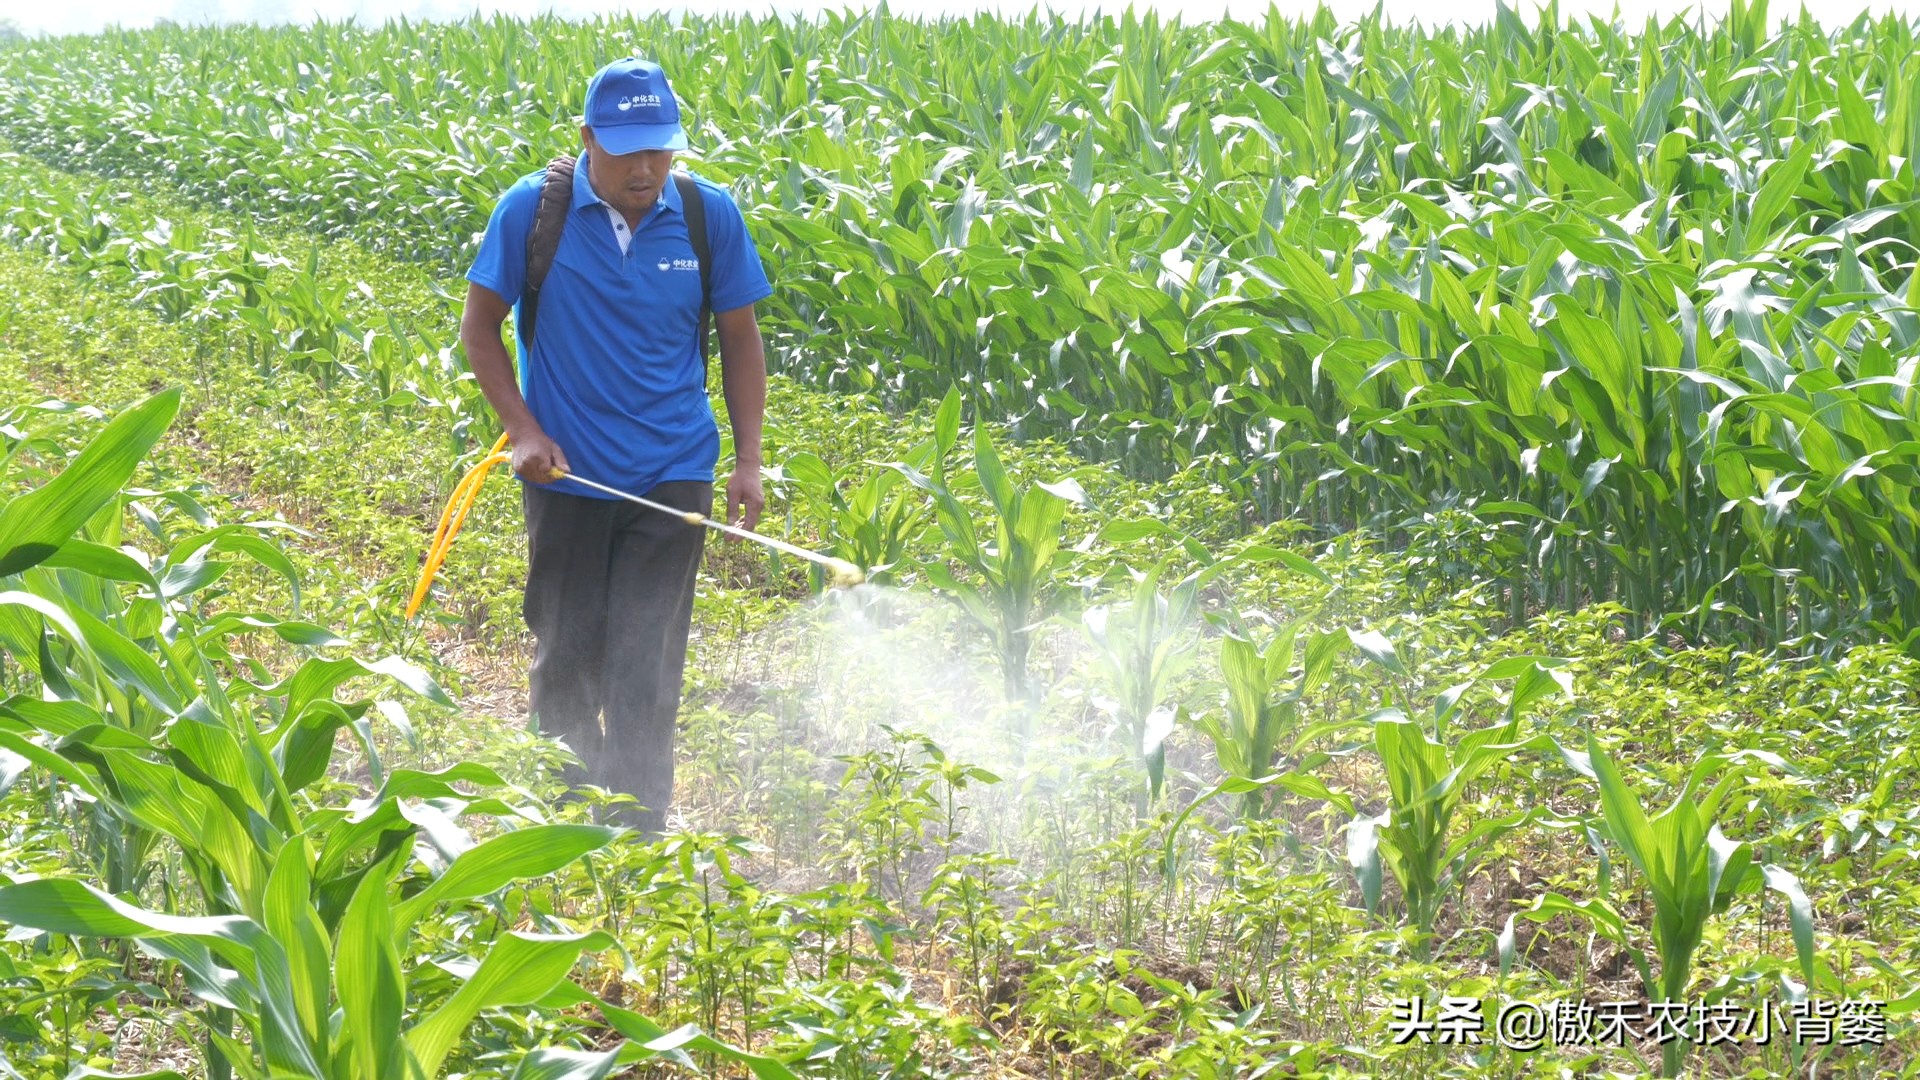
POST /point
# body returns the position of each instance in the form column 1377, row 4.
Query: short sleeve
column 738, row 278
column 501, row 263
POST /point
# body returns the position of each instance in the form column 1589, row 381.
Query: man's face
column 628, row 182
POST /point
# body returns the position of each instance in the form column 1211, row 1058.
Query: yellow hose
column 453, row 517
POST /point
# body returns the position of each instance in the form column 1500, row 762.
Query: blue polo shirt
column 616, row 377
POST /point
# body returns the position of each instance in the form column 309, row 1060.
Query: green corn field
column 1378, row 535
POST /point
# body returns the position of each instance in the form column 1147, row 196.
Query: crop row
column 1640, row 303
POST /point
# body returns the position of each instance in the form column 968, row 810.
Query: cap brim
column 627, row 138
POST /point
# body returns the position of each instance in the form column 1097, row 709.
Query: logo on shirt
column 679, row 264
column 640, row 101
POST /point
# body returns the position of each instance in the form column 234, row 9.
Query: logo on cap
column 630, row 106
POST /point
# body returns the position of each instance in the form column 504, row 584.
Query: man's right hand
column 538, row 458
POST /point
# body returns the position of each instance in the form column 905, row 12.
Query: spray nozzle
column 845, row 574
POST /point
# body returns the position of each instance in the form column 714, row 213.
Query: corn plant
column 1010, row 586
column 871, row 522
column 1142, row 646
column 138, row 660
column 1429, row 778
column 1692, row 872
column 308, row 907
column 1262, row 712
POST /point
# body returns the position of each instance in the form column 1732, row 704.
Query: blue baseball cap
column 630, row 107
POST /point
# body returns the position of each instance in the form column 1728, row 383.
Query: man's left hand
column 744, row 497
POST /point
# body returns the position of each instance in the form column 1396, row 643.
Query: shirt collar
column 583, row 194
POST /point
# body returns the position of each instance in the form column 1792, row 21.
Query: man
column 614, row 389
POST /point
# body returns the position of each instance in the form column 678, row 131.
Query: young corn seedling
column 1692, row 872
column 1262, row 711
column 1142, row 646
column 871, row 522
column 1010, row 590
column 1262, row 716
column 1145, row 642
column 1428, row 781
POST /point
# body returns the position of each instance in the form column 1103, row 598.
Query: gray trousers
column 609, row 599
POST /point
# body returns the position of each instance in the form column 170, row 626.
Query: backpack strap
column 543, row 239
column 694, row 209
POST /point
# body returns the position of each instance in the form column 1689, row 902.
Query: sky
column 84, row 16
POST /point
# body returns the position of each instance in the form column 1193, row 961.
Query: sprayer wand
column 844, row 572
column 465, row 492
